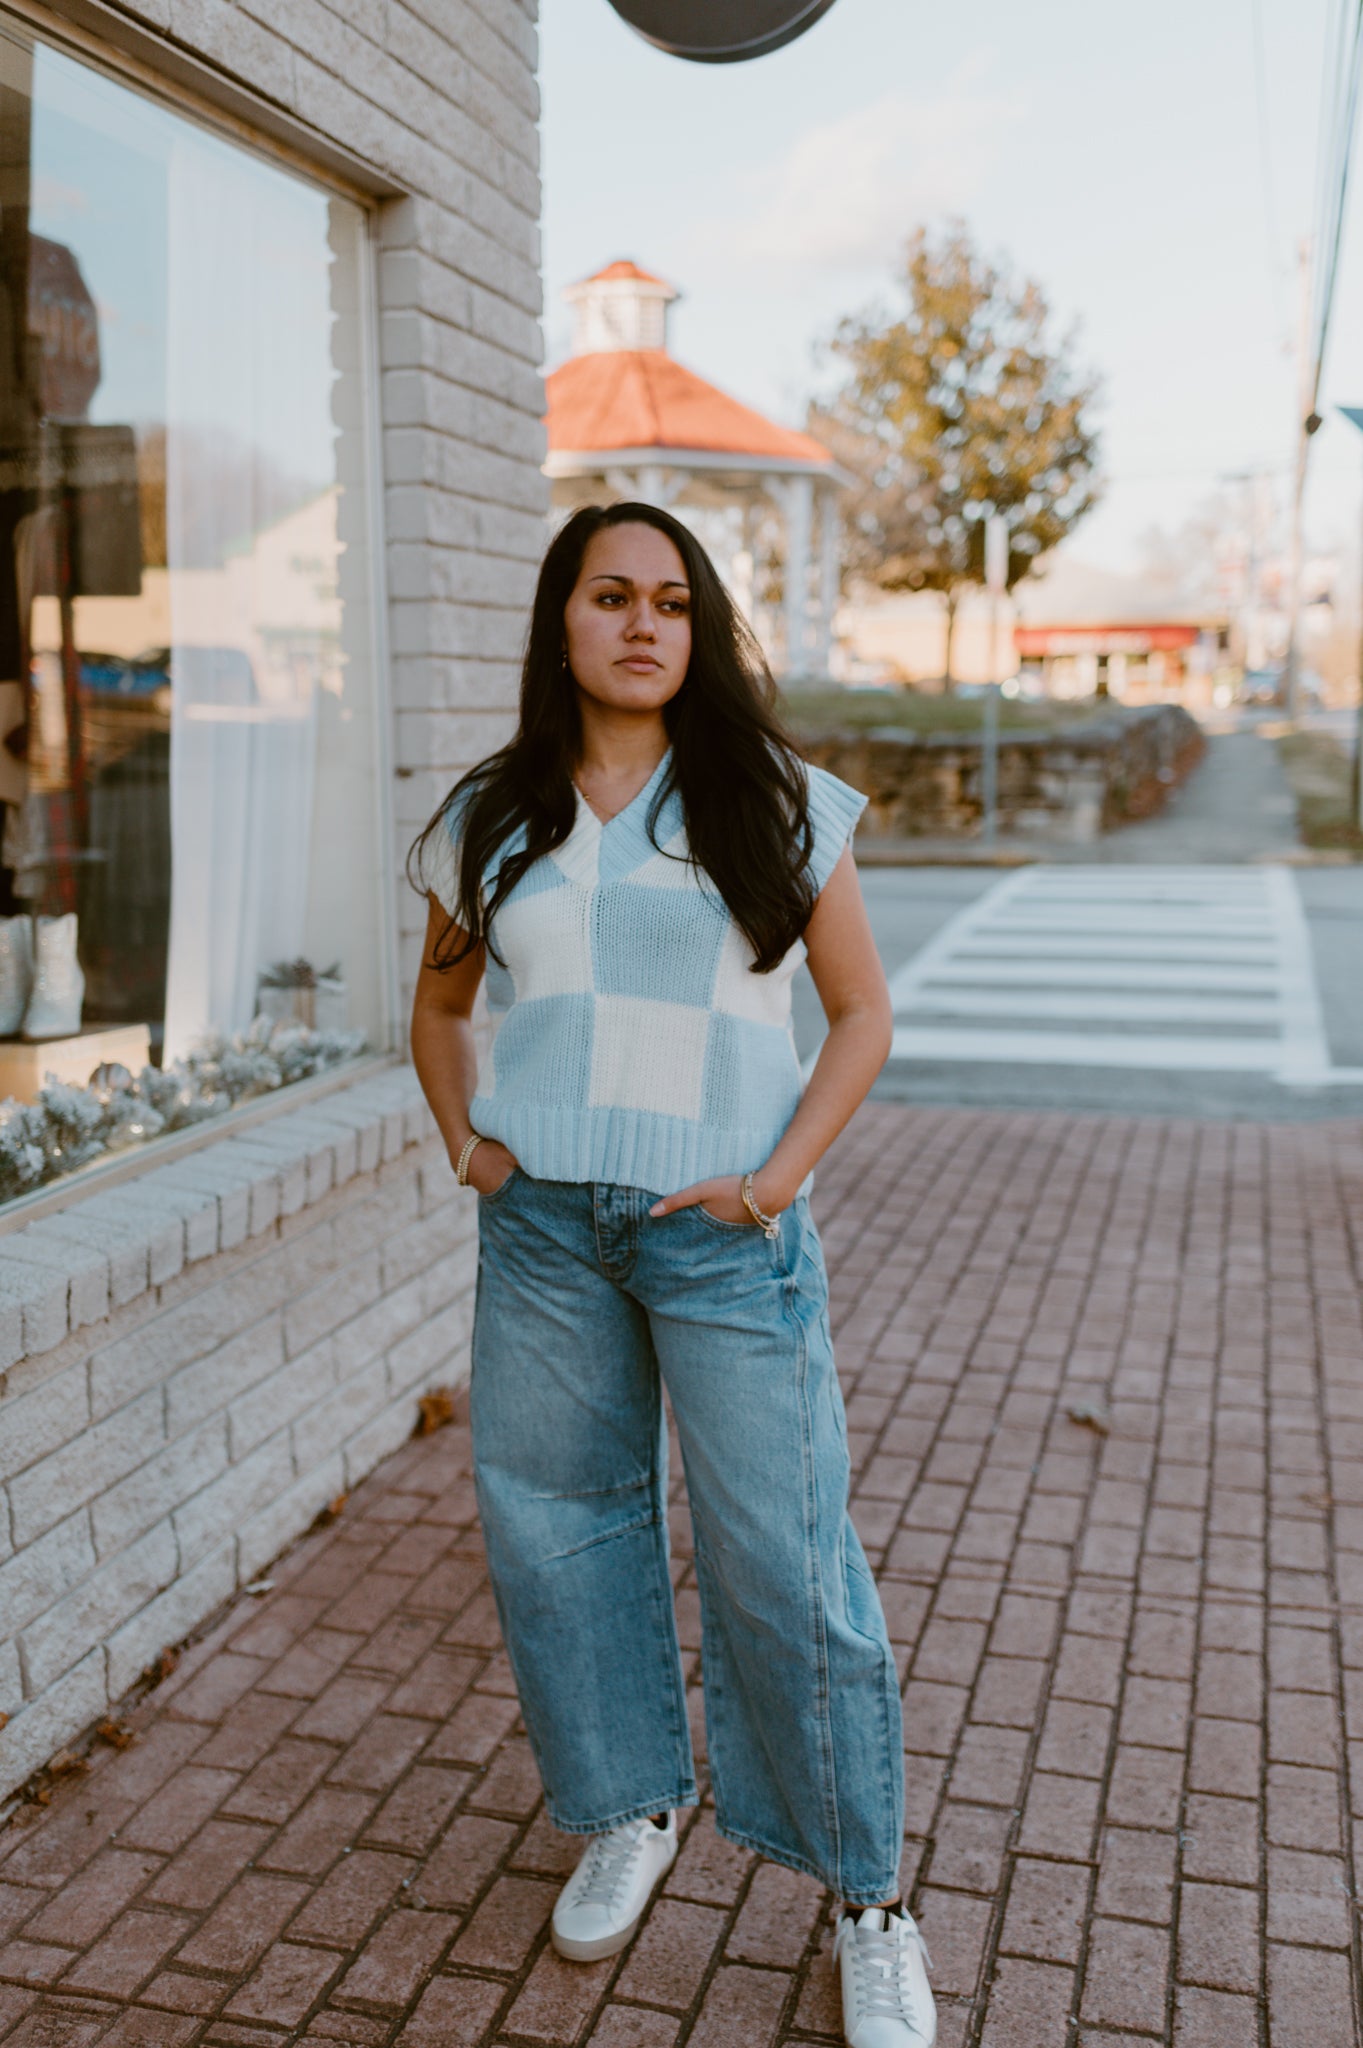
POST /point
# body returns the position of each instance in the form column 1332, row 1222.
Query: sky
column 1154, row 170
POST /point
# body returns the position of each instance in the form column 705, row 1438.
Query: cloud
column 847, row 192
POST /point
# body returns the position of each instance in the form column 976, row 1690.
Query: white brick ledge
column 102, row 1250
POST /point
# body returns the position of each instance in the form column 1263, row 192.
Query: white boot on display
column 58, row 984
column 16, row 971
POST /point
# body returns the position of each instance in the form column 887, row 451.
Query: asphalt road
column 910, row 905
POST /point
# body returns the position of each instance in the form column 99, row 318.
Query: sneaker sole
column 593, row 1951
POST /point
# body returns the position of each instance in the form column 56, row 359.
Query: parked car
column 1260, row 686
column 1269, row 686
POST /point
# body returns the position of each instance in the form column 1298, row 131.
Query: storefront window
column 187, row 718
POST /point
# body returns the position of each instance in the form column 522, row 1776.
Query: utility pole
column 1305, row 429
column 1355, row 781
column 1354, row 415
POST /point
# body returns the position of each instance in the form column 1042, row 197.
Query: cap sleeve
column 834, row 808
column 438, row 868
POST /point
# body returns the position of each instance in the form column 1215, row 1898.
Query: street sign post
column 720, row 31
column 996, row 583
column 1354, row 415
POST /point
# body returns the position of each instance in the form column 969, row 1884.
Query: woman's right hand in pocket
column 490, row 1166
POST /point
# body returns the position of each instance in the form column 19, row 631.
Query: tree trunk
column 948, row 680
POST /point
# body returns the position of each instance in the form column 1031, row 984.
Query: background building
column 1070, row 630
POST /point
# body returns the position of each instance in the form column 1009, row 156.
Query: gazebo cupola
column 622, row 307
column 627, row 420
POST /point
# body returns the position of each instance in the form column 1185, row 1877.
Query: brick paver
column 1132, row 1658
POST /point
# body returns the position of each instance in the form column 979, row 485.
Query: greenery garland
column 69, row 1126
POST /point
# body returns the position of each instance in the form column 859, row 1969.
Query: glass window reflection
column 186, row 674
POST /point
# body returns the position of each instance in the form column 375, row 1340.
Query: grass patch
column 819, row 711
column 1320, row 771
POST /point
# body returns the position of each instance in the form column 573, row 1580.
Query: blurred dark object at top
column 720, row 31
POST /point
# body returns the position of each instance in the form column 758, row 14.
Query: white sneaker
column 603, row 1901
column 886, row 2000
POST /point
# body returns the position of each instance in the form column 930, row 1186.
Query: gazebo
column 627, row 420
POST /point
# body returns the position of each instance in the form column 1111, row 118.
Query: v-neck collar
column 597, row 851
column 604, row 824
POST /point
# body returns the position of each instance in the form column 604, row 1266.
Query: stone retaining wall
column 1072, row 782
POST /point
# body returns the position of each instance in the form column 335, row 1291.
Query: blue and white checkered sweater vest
column 634, row 1045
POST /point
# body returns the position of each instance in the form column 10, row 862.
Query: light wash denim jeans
column 586, row 1304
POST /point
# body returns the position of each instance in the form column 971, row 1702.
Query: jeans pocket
column 721, row 1222
column 491, row 1201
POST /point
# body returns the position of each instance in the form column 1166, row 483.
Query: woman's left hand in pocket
column 721, row 1198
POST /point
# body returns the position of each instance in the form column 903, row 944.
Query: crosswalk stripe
column 944, row 999
column 1117, row 919
column 1085, row 946
column 1211, row 969
column 1085, row 1049
column 1083, row 971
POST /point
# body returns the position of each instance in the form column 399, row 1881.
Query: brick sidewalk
column 1127, row 1692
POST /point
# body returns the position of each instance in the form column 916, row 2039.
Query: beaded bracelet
column 769, row 1225
column 461, row 1171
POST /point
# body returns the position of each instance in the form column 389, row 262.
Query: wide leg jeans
column 586, row 1306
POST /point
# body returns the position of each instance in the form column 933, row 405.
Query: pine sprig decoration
column 68, row 1126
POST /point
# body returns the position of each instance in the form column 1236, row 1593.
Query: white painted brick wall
column 153, row 1462
column 194, row 1361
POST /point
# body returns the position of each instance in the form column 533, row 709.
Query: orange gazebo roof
column 643, row 398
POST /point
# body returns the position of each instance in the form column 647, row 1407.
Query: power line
column 1275, row 262
column 1339, row 107
column 1333, row 68
column 1336, row 159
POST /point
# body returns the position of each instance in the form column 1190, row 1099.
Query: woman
column 640, row 871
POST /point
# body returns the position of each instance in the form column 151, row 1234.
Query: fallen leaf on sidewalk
column 65, row 1764
column 434, row 1411
column 115, row 1734
column 1091, row 1415
column 162, row 1667
column 324, row 1517
column 4, row 1721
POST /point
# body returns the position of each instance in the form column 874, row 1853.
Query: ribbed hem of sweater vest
column 624, row 1148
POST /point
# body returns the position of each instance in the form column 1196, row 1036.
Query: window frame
column 249, row 123
column 136, row 55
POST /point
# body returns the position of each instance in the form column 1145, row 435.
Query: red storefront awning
column 1144, row 638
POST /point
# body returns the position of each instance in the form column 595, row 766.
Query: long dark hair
column 741, row 782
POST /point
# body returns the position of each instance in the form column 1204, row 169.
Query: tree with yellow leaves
column 955, row 406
